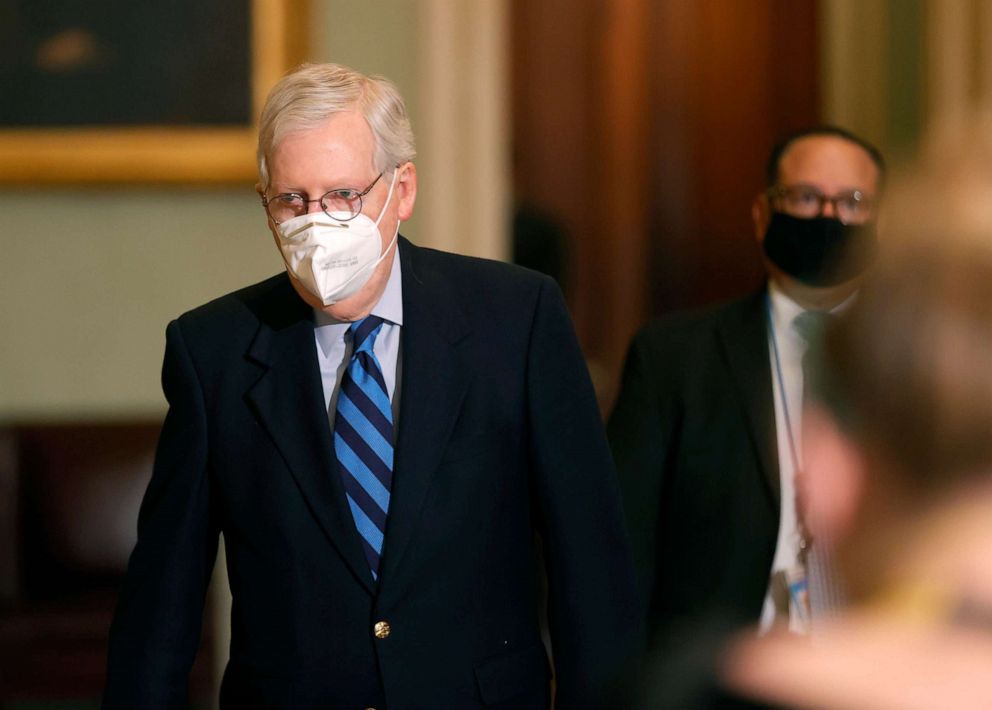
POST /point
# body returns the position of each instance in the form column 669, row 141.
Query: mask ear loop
column 396, row 232
column 389, row 196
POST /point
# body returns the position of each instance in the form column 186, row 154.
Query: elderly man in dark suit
column 378, row 433
column 706, row 431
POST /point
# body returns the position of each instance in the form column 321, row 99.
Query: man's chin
column 814, row 297
column 301, row 291
column 356, row 306
column 352, row 308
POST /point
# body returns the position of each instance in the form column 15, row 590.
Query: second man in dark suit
column 706, row 431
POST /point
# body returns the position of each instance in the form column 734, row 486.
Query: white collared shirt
column 334, row 344
column 791, row 347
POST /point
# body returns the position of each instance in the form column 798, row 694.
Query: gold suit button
column 381, row 629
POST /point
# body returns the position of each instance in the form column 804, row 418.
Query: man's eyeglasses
column 851, row 207
column 342, row 204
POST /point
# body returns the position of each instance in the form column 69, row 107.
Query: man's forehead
column 342, row 128
column 831, row 162
column 342, row 146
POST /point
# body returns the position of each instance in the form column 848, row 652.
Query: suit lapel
column 434, row 381
column 743, row 334
column 288, row 399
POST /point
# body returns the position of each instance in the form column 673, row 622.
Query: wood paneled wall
column 643, row 126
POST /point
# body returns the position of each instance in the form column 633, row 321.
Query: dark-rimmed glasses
column 805, row 201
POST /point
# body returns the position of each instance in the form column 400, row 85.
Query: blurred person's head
column 815, row 221
column 336, row 179
column 905, row 422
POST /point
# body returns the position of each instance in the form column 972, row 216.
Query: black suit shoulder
column 275, row 303
column 272, row 301
column 499, row 303
column 475, row 278
column 670, row 351
column 686, row 333
column 218, row 335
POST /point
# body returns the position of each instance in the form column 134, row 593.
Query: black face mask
column 822, row 251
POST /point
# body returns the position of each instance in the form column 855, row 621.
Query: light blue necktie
column 363, row 439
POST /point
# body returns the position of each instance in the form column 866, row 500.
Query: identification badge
column 799, row 609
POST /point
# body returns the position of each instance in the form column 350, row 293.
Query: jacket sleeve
column 156, row 627
column 638, row 431
column 591, row 601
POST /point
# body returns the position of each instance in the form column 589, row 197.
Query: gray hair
column 312, row 93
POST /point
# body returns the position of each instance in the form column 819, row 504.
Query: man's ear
column 760, row 216
column 406, row 190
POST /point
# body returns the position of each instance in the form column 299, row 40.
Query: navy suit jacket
column 499, row 437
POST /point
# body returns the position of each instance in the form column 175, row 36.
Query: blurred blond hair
column 911, row 366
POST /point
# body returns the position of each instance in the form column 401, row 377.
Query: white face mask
column 332, row 259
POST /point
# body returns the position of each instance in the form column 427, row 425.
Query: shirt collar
column 785, row 310
column 390, row 305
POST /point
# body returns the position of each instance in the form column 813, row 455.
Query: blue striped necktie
column 363, row 439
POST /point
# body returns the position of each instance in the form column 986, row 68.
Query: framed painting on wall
column 117, row 91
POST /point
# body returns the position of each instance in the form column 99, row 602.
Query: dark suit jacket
column 693, row 436
column 498, row 435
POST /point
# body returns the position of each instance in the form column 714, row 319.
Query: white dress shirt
column 791, row 347
column 787, row 373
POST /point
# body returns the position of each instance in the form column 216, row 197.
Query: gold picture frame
column 162, row 154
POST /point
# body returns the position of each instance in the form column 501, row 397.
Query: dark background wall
column 642, row 127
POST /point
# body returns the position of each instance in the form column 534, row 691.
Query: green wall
column 89, row 278
column 874, row 70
